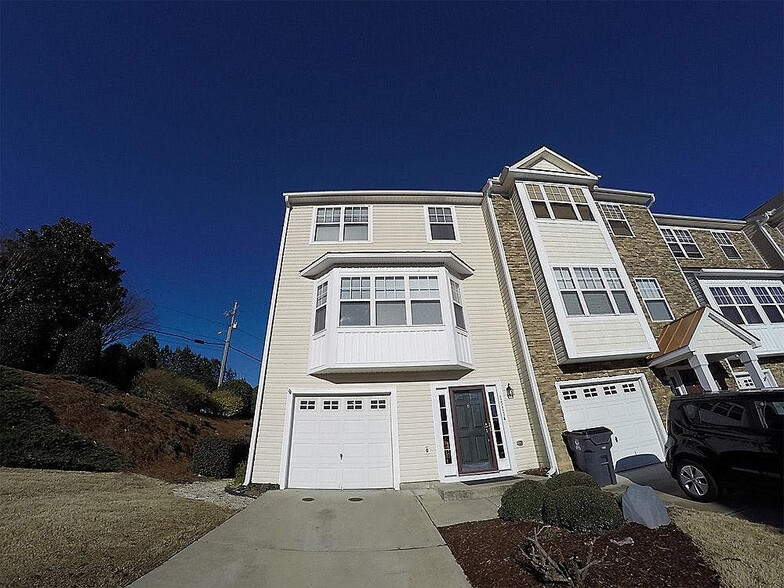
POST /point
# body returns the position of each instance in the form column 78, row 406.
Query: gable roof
column 688, row 334
column 546, row 160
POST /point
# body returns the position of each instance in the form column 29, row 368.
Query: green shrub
column 218, row 457
column 29, row 438
column 230, row 404
column 81, row 352
column 523, row 501
column 94, row 384
column 244, row 391
column 118, row 366
column 239, row 477
column 176, row 392
column 569, row 479
column 582, row 508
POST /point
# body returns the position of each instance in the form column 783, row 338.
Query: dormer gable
column 545, row 165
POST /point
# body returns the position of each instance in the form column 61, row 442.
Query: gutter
column 548, row 444
column 265, row 357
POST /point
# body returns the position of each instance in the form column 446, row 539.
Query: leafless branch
column 554, row 568
column 135, row 312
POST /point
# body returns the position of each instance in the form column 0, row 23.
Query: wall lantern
column 509, row 391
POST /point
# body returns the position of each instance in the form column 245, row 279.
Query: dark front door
column 472, row 430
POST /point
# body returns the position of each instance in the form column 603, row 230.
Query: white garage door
column 341, row 442
column 621, row 407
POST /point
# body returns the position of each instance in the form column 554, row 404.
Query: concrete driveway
column 751, row 506
column 384, row 539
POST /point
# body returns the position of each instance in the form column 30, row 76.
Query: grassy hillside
column 50, row 422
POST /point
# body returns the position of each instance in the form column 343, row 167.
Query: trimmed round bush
column 218, row 457
column 569, row 479
column 582, row 508
column 523, row 501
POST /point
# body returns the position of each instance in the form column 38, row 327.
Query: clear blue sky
column 174, row 128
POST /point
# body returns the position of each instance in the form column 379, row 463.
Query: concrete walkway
column 386, row 539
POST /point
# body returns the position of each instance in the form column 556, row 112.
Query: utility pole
column 232, row 325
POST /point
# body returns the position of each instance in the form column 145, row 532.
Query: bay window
column 457, row 304
column 320, row 322
column 750, row 304
column 390, row 301
column 425, row 300
column 354, row 302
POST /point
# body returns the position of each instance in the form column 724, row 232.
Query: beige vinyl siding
column 541, row 285
column 713, row 338
column 596, row 335
column 574, row 243
column 396, row 227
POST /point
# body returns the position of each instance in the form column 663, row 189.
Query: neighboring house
column 419, row 336
column 388, row 357
column 611, row 299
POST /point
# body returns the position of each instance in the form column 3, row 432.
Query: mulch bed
column 666, row 557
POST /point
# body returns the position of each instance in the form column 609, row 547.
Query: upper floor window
column 441, row 223
column 771, row 299
column 654, row 300
column 616, row 220
column 342, row 223
column 559, row 202
column 320, row 322
column 392, row 301
column 681, row 243
column 726, row 244
column 457, row 304
column 592, row 290
column 736, row 304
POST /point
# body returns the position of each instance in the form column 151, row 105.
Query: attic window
column 726, row 244
column 559, row 202
column 616, row 220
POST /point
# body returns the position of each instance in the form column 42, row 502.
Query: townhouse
column 420, row 336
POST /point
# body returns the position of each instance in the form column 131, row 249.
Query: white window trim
column 747, row 285
column 345, row 390
column 461, row 304
column 645, row 300
column 315, row 308
column 771, row 380
column 449, row 472
column 342, row 208
column 722, row 246
column 454, row 224
column 547, row 203
column 680, row 243
column 601, row 205
column 606, row 289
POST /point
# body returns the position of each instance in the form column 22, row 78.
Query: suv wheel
column 696, row 481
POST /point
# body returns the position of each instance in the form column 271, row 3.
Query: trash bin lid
column 596, row 435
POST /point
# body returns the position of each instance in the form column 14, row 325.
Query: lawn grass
column 745, row 554
column 92, row 529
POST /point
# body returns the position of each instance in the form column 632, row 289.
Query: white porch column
column 699, row 363
column 750, row 362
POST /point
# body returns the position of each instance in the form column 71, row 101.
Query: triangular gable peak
column 704, row 332
column 545, row 165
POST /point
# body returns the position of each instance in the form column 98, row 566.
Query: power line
column 200, row 342
column 204, row 318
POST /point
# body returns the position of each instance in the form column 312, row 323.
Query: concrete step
column 489, row 489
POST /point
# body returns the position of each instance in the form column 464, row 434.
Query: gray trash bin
column 590, row 453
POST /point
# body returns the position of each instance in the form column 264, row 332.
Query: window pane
column 328, row 215
column 459, row 316
column 730, row 252
column 774, row 315
column 327, row 233
column 391, row 313
column 572, row 303
column 598, row 303
column 585, row 212
column 613, row 278
column 440, row 232
column 534, row 192
column 620, row 228
column 356, row 214
column 649, row 288
column 390, row 288
column 563, row 211
column 355, row 232
column 563, row 278
column 676, row 250
column 658, row 310
column 321, row 320
column 691, row 250
column 751, row 315
column 731, row 313
column 622, row 302
column 423, row 286
column 425, row 312
column 540, row 210
column 354, row 314
column 455, row 292
column 588, row 278
column 355, row 288
column 321, row 295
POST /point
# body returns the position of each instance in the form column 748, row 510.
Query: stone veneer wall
column 546, row 369
column 713, row 256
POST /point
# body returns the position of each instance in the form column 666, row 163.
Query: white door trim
column 288, row 423
column 449, row 473
column 647, row 395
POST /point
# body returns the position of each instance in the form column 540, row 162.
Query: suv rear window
column 724, row 413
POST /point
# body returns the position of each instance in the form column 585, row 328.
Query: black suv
column 727, row 439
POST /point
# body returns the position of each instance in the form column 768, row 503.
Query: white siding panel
column 396, row 227
column 612, row 335
column 573, row 244
column 713, row 338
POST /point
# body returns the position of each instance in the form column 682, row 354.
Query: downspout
column 760, row 222
column 548, row 444
column 264, row 358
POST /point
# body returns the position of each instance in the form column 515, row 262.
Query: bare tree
column 135, row 312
